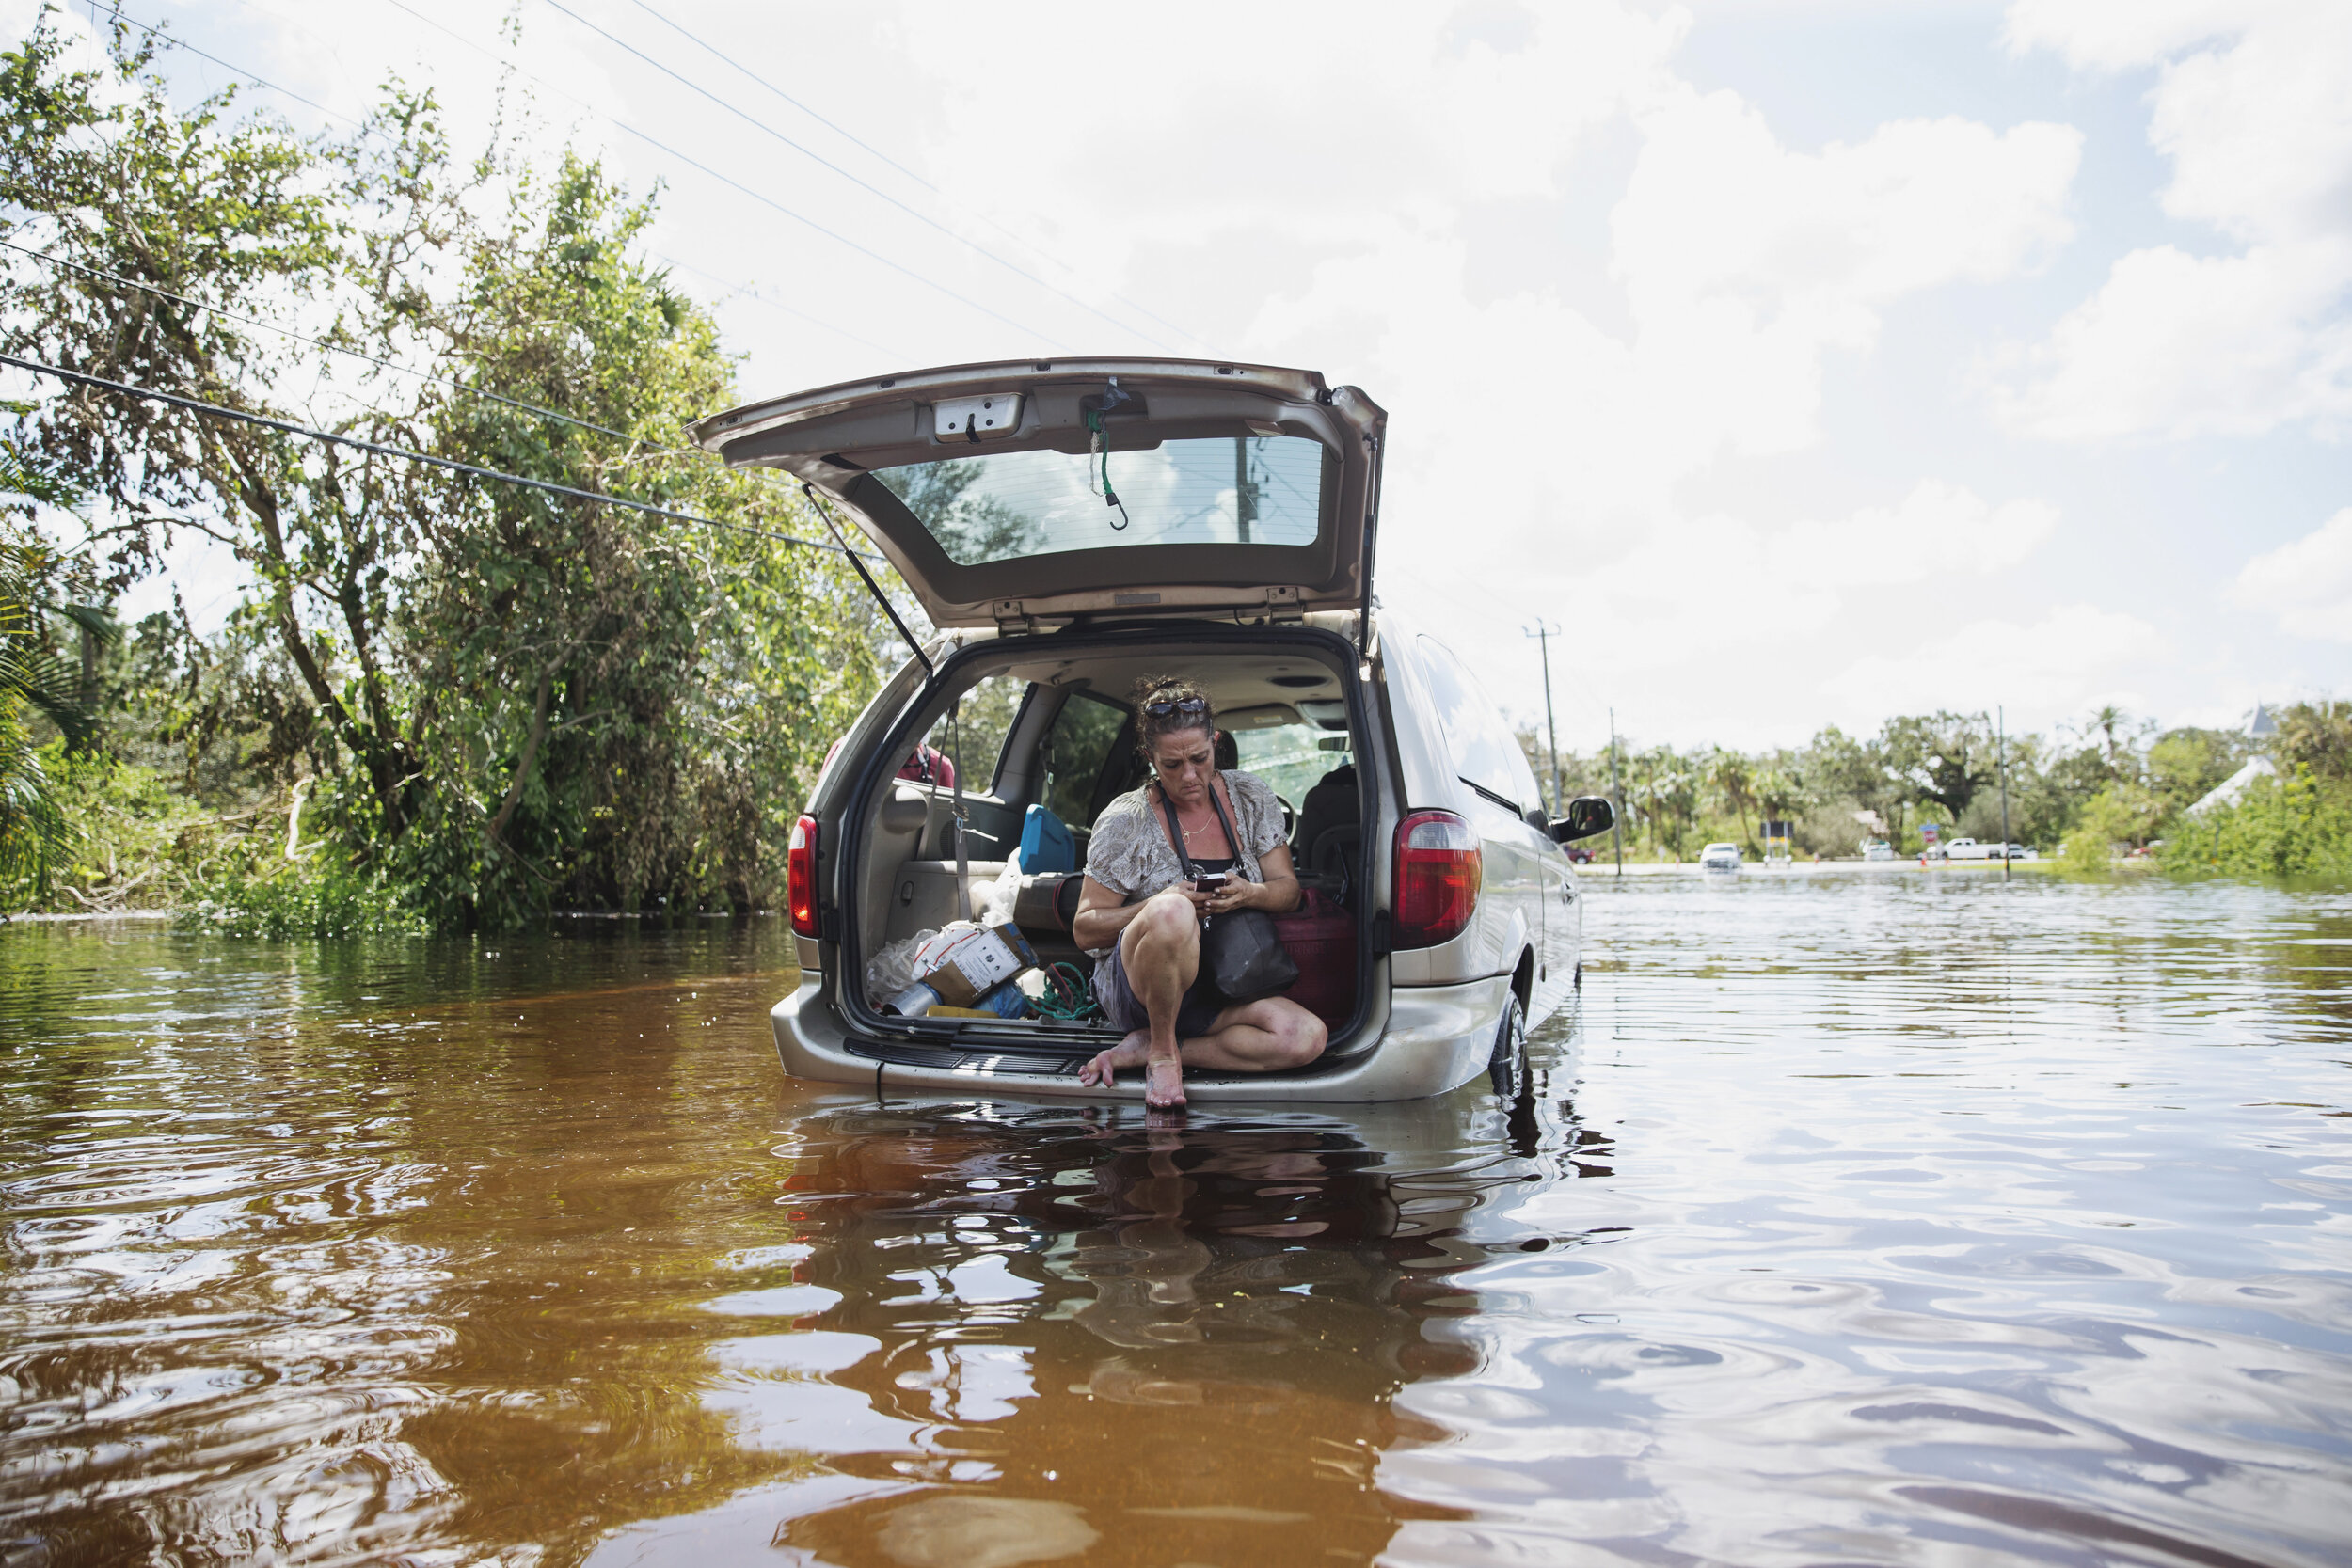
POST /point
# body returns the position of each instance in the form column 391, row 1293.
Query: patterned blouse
column 1129, row 853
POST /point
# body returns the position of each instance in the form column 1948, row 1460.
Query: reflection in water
column 1196, row 1328
column 1898, row 1220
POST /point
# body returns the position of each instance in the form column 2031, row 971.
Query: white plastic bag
column 892, row 970
column 996, row 909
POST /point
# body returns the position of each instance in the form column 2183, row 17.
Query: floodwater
column 1884, row 1220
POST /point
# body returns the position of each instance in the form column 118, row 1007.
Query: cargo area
column 1046, row 743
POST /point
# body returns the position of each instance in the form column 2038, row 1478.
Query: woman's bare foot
column 1102, row 1067
column 1164, row 1083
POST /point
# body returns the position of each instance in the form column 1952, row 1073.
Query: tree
column 513, row 699
column 2317, row 735
column 2184, row 765
column 1734, row 779
column 1942, row 757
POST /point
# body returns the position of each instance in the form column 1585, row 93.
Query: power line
column 763, row 126
column 173, row 41
column 288, row 427
column 838, row 130
column 391, row 365
column 848, row 136
column 758, row 298
column 394, row 366
column 733, row 183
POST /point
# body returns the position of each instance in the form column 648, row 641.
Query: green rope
column 1068, row 997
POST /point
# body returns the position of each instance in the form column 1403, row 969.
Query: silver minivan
column 1069, row 525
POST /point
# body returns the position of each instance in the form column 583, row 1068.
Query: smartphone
column 1209, row 881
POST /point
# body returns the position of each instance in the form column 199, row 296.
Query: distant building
column 2226, row 793
column 2258, row 728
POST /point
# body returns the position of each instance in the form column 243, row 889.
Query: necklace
column 1191, row 833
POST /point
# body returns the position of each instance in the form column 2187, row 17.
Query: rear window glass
column 1291, row 758
column 1220, row 490
column 1486, row 753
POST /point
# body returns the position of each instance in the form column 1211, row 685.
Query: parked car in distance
column 1877, row 850
column 1720, row 857
column 2023, row 852
column 1446, row 919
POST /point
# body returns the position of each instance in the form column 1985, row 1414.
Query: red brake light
column 1439, row 869
column 800, row 876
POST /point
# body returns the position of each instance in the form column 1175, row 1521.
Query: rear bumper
column 1436, row 1038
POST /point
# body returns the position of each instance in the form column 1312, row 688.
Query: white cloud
column 2253, row 108
column 1744, row 262
column 2050, row 667
column 1692, row 593
column 1938, row 528
column 2181, row 345
column 2118, row 35
column 2306, row 584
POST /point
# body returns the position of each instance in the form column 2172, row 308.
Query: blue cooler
column 1046, row 845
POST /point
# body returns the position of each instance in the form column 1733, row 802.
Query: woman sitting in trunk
column 1141, row 919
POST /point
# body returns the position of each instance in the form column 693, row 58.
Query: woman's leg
column 1160, row 952
column 1265, row 1036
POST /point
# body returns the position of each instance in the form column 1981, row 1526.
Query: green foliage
column 2297, row 825
column 494, row 701
column 251, row 894
column 2317, row 737
column 131, row 835
column 2123, row 814
column 1942, row 758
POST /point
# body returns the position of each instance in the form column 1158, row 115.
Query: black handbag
column 1241, row 953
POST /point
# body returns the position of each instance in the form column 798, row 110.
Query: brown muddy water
column 1880, row 1220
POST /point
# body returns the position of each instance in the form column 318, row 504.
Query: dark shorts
column 1195, row 1016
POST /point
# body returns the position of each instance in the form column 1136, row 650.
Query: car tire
column 1510, row 1048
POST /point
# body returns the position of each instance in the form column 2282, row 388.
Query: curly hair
column 1169, row 688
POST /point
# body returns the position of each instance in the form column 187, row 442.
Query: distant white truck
column 1969, row 850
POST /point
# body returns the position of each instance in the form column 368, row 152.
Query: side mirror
column 1587, row 815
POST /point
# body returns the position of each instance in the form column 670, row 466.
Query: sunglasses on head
column 1166, row 705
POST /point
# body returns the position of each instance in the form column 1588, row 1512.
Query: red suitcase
column 1321, row 939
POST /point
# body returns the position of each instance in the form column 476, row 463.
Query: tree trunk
column 524, row 764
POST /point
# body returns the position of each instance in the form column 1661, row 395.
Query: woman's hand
column 1239, row 895
column 1204, row 902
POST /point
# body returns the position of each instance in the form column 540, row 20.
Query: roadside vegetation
column 2295, row 824
column 2106, row 788
column 437, row 701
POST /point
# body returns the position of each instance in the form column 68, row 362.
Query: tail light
column 1439, row 869
column 800, row 876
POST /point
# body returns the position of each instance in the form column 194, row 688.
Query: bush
column 266, row 894
column 2299, row 826
column 2121, row 813
column 130, row 828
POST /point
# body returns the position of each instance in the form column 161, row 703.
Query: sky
column 1800, row 363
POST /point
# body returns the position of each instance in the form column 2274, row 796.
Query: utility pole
column 1542, row 634
column 2000, row 744
column 1245, row 495
column 1616, row 821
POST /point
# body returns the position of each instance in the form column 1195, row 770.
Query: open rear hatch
column 1043, row 490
